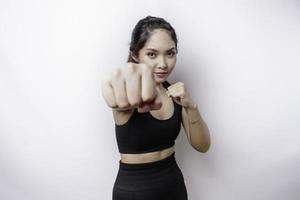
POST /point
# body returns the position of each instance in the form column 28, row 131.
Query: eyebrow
column 157, row 50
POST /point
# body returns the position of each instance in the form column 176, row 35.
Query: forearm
column 198, row 131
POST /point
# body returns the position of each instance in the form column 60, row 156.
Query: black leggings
column 158, row 180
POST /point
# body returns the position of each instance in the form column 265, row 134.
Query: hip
column 159, row 174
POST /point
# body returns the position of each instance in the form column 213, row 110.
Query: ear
column 134, row 57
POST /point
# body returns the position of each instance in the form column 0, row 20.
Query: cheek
column 171, row 63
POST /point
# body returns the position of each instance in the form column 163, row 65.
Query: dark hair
column 142, row 32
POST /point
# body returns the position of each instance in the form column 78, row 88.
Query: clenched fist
column 132, row 86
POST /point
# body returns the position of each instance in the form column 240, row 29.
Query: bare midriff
column 147, row 157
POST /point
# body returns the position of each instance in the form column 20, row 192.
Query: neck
column 160, row 86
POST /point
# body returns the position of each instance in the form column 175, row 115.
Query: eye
column 151, row 54
column 171, row 53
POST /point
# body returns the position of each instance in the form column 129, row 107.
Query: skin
column 160, row 54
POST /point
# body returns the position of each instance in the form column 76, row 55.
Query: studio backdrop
column 239, row 60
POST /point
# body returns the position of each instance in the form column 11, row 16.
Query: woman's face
column 159, row 52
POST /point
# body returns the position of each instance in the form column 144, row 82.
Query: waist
column 147, row 157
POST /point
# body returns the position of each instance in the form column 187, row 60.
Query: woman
column 148, row 112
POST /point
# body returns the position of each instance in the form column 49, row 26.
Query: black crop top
column 144, row 133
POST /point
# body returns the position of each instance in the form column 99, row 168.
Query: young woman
column 148, row 112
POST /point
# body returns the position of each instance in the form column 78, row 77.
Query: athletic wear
column 144, row 133
column 158, row 180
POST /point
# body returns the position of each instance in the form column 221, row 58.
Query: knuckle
column 130, row 69
column 130, row 66
column 116, row 72
column 147, row 71
column 144, row 67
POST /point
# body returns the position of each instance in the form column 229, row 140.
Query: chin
column 160, row 80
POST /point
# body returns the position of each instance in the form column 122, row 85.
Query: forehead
column 159, row 39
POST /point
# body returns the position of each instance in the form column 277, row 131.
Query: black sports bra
column 144, row 133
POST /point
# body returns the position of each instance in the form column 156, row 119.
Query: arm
column 195, row 128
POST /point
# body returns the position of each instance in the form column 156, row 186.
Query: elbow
column 205, row 149
column 201, row 143
column 202, row 148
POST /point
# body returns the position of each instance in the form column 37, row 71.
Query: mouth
column 160, row 74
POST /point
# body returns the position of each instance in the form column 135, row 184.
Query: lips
column 160, row 72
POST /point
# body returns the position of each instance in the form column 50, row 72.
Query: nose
column 162, row 63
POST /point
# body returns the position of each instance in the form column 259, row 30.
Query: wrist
column 192, row 106
column 193, row 113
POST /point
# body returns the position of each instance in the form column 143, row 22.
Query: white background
column 238, row 59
